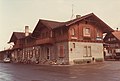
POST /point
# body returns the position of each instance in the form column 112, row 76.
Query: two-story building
column 76, row 41
column 112, row 43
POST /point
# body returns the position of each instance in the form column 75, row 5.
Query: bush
column 99, row 59
column 78, row 61
column 87, row 60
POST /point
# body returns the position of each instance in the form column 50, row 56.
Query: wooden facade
column 60, row 42
column 112, row 43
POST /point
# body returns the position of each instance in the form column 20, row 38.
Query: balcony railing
column 45, row 41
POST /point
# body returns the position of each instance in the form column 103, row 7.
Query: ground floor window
column 48, row 53
column 37, row 53
column 31, row 54
column 87, row 51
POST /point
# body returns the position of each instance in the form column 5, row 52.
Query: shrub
column 87, row 60
column 99, row 59
column 78, row 61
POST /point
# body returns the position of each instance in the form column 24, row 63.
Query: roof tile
column 116, row 34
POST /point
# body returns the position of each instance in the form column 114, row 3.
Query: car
column 109, row 56
column 117, row 56
column 6, row 60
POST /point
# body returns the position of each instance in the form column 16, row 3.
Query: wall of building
column 79, row 28
column 65, row 58
column 79, row 51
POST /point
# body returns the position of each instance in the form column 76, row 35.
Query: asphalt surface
column 106, row 71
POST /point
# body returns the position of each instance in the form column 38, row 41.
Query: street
column 106, row 71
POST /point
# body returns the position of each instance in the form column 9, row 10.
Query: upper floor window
column 98, row 33
column 86, row 32
column 73, row 31
column 51, row 33
column 113, row 39
column 108, row 39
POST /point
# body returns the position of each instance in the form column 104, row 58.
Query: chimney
column 26, row 30
column 78, row 16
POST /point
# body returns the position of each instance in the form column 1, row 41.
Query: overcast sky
column 15, row 14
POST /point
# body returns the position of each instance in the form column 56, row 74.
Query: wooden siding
column 79, row 32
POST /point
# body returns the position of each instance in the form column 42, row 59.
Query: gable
column 16, row 35
column 107, row 36
column 94, row 20
column 91, row 18
column 117, row 34
column 40, row 27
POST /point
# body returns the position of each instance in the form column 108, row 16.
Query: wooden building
column 75, row 41
column 112, row 43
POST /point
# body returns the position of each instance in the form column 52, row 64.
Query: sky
column 16, row 14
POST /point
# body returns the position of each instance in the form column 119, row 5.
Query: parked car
column 117, row 56
column 6, row 60
column 109, row 56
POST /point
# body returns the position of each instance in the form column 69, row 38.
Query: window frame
column 72, row 31
column 86, row 32
column 87, row 51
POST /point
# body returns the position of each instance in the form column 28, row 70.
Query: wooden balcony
column 45, row 41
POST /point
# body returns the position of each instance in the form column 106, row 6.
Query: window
column 61, row 51
column 51, row 34
column 48, row 53
column 73, row 45
column 98, row 33
column 113, row 39
column 87, row 51
column 86, row 32
column 73, row 31
column 31, row 54
column 37, row 53
column 108, row 39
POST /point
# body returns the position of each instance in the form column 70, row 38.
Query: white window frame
column 87, row 31
column 72, row 31
column 87, row 51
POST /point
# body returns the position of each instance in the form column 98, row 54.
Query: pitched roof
column 54, row 24
column 78, row 19
column 97, row 20
column 116, row 34
column 17, row 35
column 51, row 24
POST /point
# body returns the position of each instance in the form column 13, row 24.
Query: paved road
column 107, row 71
